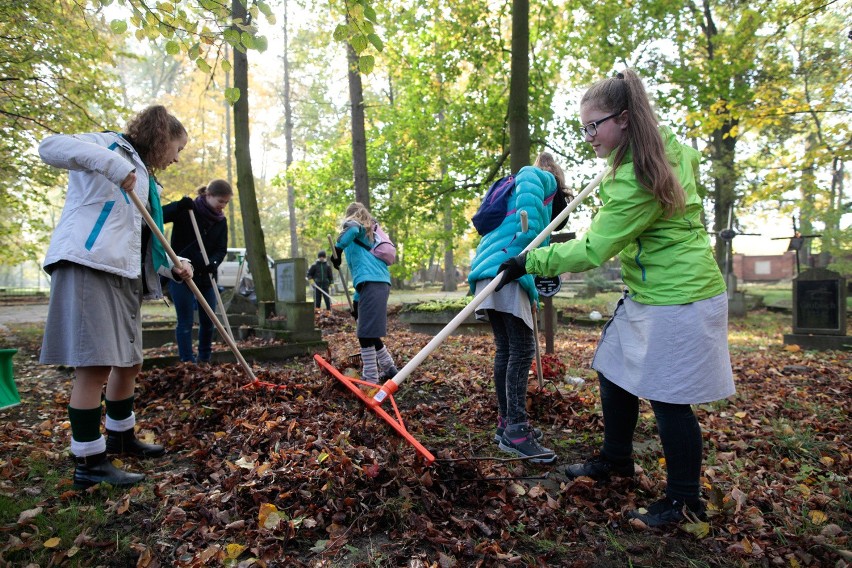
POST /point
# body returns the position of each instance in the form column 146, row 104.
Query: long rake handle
column 212, row 280
column 340, row 272
column 392, row 385
column 198, row 296
column 324, row 293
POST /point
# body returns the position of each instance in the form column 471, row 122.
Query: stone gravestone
column 819, row 311
column 294, row 315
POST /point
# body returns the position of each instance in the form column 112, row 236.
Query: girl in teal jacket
column 667, row 341
column 371, row 278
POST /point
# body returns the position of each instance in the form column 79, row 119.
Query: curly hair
column 360, row 214
column 151, row 131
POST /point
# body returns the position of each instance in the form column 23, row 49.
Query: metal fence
column 22, row 282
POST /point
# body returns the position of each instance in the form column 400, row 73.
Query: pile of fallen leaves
column 300, row 473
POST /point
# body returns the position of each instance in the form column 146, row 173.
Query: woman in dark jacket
column 208, row 210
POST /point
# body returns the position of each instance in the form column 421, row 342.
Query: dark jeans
column 185, row 307
column 515, row 353
column 318, row 296
column 679, row 431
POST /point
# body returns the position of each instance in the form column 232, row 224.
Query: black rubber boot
column 126, row 443
column 91, row 470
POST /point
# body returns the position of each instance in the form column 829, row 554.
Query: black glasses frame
column 591, row 129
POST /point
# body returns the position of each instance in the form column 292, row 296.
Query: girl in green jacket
column 667, row 341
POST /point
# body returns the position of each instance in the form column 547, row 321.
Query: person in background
column 509, row 311
column 208, row 208
column 103, row 262
column 667, row 341
column 372, row 282
column 321, row 274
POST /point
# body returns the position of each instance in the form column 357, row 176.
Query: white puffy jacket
column 100, row 227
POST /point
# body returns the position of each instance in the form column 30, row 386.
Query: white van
column 234, row 265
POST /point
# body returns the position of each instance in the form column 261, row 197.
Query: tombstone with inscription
column 819, row 311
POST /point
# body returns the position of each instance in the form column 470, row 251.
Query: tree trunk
column 288, row 138
column 255, row 246
column 519, row 134
column 450, row 281
column 724, row 184
column 232, row 221
column 359, row 135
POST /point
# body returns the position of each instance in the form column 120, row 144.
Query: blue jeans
column 185, row 307
column 515, row 353
column 680, row 435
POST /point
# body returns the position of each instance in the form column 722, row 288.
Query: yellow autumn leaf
column 817, row 517
column 269, row 516
column 792, row 348
column 52, row 542
column 741, row 414
column 322, row 457
column 827, row 461
column 233, row 551
column 698, row 530
column 219, row 435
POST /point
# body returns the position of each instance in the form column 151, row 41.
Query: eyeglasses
column 591, row 129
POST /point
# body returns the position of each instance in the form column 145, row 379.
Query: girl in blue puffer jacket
column 510, row 310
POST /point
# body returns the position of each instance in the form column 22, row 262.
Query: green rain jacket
column 663, row 261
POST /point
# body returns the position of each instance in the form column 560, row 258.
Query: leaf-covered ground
column 304, row 475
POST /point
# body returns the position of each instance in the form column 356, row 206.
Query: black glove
column 211, row 269
column 512, row 269
column 185, row 204
column 354, row 310
column 337, row 257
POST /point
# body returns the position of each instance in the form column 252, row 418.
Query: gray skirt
column 94, row 319
column 373, row 310
column 676, row 354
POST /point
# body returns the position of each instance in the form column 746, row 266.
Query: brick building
column 766, row 268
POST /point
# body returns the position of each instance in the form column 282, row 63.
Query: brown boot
column 128, row 444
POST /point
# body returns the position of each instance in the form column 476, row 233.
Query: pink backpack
column 383, row 248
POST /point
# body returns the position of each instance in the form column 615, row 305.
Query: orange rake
column 395, row 423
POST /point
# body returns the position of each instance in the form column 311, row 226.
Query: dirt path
column 22, row 313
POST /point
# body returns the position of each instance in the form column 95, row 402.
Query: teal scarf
column 157, row 251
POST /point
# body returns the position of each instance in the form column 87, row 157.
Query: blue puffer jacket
column 532, row 188
column 362, row 264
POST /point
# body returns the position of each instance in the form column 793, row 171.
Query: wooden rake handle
column 196, row 292
column 340, row 272
column 212, row 280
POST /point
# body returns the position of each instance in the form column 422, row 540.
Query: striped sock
column 369, row 365
column 384, row 358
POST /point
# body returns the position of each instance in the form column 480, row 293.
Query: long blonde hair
column 623, row 92
column 360, row 214
column 546, row 162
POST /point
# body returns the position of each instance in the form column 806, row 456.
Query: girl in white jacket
column 102, row 264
